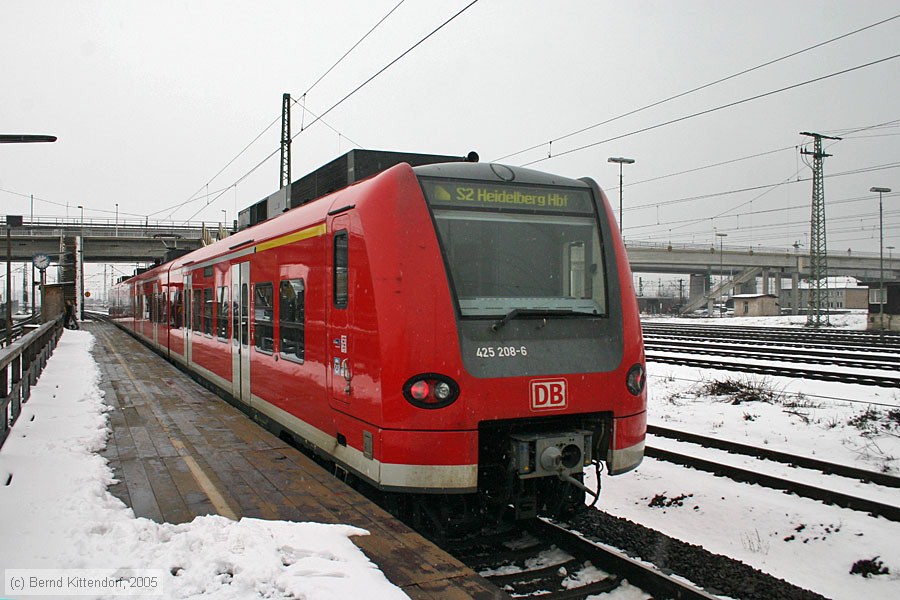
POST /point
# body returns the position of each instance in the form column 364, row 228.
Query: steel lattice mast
column 285, row 141
column 817, row 310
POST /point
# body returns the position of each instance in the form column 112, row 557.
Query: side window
column 208, row 311
column 291, row 313
column 197, row 311
column 222, row 317
column 263, row 317
column 341, row 280
column 177, row 310
column 146, row 305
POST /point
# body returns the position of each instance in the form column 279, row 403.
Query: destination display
column 476, row 194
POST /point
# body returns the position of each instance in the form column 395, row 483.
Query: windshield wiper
column 534, row 312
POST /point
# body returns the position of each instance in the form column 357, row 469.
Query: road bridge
column 105, row 241
column 650, row 257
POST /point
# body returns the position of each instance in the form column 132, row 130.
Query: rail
column 21, row 364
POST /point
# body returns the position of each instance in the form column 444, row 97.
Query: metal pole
column 8, row 285
column 722, row 237
column 626, row 161
column 881, row 298
column 621, row 221
column 117, row 219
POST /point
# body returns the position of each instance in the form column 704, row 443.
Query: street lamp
column 880, row 190
column 79, row 307
column 622, row 161
column 224, row 218
column 721, row 237
column 117, row 219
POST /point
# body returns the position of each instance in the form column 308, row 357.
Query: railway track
column 783, row 336
column 864, row 357
column 791, row 485
column 538, row 559
column 775, row 369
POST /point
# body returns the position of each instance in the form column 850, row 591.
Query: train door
column 240, row 331
column 340, row 310
column 188, row 320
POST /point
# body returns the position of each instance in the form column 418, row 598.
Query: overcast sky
column 150, row 100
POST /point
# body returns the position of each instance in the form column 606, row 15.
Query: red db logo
column 548, row 394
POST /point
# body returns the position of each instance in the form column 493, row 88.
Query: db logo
column 548, row 394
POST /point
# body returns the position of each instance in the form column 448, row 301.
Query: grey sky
column 151, row 100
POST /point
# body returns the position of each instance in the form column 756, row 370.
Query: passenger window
column 177, row 310
column 263, row 317
column 197, row 311
column 208, row 311
column 291, row 312
column 341, row 281
column 222, row 316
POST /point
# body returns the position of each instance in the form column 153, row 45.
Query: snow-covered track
column 744, row 475
column 782, row 457
column 863, row 341
column 769, row 368
column 541, row 559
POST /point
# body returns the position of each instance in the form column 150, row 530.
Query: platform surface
column 179, row 451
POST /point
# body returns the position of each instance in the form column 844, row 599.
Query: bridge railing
column 21, row 363
column 144, row 228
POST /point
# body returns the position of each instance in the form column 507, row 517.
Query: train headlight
column 442, row 390
column 636, row 379
column 430, row 390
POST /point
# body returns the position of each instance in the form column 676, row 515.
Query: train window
column 176, row 314
column 145, row 307
column 341, row 267
column 208, row 303
column 518, row 247
column 264, row 317
column 222, row 316
column 235, row 314
column 245, row 314
column 291, row 322
column 162, row 315
column 197, row 311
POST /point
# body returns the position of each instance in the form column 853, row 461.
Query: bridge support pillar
column 795, row 293
column 765, row 281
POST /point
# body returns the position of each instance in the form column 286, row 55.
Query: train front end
column 551, row 369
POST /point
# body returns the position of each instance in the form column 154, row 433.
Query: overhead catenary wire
column 351, row 93
column 696, row 89
column 718, row 108
column 193, row 196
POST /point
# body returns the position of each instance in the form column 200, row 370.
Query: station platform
column 179, row 451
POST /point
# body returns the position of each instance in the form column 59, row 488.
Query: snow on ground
column 57, row 516
column 802, row 541
column 56, row 512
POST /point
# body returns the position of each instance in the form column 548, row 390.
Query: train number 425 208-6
column 501, row 351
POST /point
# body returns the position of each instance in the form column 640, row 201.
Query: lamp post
column 117, row 219
column 622, row 161
column 224, row 218
column 721, row 237
column 79, row 306
column 880, row 190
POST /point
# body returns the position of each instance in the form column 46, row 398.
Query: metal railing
column 21, row 363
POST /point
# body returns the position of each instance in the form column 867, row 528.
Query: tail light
column 430, row 390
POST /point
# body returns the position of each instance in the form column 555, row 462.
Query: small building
column 884, row 313
column 843, row 293
column 755, row 305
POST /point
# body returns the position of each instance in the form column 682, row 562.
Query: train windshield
column 510, row 247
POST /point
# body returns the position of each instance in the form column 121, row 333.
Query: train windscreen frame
column 517, row 247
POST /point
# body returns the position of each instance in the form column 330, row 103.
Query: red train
column 463, row 332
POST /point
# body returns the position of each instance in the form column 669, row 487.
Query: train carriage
column 453, row 329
